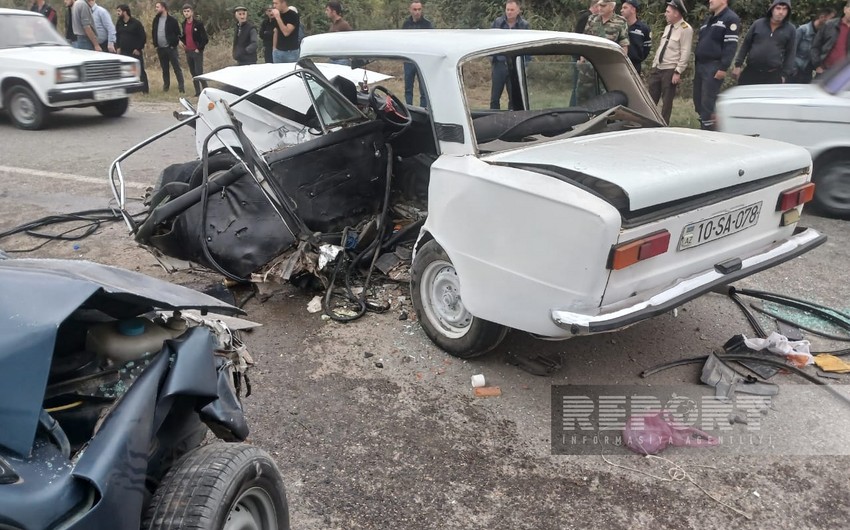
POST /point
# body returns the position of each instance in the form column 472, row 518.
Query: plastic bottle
column 127, row 340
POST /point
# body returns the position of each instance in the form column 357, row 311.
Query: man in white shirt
column 671, row 59
column 103, row 27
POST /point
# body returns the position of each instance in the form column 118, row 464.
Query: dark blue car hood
column 36, row 296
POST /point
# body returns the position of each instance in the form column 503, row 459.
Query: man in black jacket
column 267, row 34
column 769, row 48
column 244, row 38
column 715, row 50
column 415, row 21
column 165, row 34
column 130, row 39
column 640, row 36
column 831, row 44
column 194, row 38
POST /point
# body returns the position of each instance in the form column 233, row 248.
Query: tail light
column 795, row 197
column 626, row 254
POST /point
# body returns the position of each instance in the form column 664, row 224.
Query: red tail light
column 795, row 197
column 626, row 254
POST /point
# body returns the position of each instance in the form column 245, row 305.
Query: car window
column 549, row 81
column 518, row 98
column 26, row 30
column 331, row 106
column 558, row 81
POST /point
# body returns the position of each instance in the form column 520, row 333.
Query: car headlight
column 70, row 74
column 129, row 70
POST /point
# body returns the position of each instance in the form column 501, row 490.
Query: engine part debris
column 727, row 381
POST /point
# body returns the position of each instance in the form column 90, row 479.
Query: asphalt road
column 406, row 445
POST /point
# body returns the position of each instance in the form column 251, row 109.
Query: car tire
column 25, row 109
column 435, row 290
column 832, row 189
column 114, row 108
column 220, row 486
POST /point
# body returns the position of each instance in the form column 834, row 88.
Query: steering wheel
column 389, row 109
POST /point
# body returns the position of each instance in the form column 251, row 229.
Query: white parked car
column 553, row 219
column 815, row 116
column 40, row 72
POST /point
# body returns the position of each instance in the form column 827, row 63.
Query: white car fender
column 527, row 253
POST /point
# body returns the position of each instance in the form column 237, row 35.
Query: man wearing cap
column 769, row 48
column 672, row 57
column 831, row 44
column 287, row 23
column 640, row 36
column 165, row 36
column 609, row 25
column 244, row 38
column 718, row 41
column 499, row 76
column 194, row 38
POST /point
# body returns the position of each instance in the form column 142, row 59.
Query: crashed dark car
column 104, row 404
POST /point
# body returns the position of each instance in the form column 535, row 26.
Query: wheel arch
column 830, row 155
column 9, row 82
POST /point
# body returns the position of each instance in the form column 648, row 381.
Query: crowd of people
column 772, row 51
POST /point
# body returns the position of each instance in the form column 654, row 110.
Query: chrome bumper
column 804, row 240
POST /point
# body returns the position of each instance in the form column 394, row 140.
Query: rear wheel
column 221, row 486
column 832, row 191
column 114, row 108
column 435, row 290
column 24, row 108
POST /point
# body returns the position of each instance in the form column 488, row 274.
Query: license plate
column 719, row 226
column 112, row 93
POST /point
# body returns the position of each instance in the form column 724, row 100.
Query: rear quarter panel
column 522, row 243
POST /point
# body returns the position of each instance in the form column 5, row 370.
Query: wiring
column 374, row 247
column 91, row 221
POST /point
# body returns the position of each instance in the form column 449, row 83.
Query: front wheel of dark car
column 832, row 189
column 435, row 290
column 114, row 108
column 25, row 109
column 221, row 486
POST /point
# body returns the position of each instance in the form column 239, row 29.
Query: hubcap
column 253, row 510
column 23, row 108
column 440, row 291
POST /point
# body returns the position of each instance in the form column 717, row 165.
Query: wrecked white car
column 575, row 212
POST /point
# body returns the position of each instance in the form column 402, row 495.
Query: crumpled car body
column 86, row 433
column 573, row 212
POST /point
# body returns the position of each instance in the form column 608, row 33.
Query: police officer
column 640, row 36
column 718, row 41
column 671, row 59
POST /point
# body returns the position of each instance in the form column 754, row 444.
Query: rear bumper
column 64, row 95
column 804, row 240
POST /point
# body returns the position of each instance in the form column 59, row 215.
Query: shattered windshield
column 17, row 31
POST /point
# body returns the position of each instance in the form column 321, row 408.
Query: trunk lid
column 663, row 165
